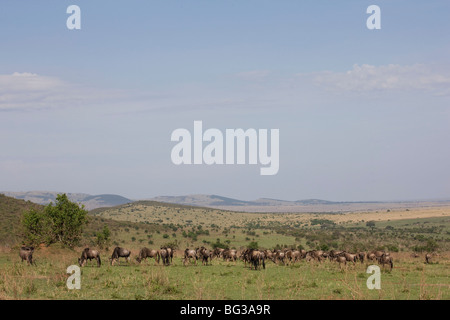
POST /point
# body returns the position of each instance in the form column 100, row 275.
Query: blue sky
column 363, row 114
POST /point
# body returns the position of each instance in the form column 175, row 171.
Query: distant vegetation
column 153, row 224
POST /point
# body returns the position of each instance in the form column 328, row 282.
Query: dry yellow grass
column 399, row 214
column 183, row 216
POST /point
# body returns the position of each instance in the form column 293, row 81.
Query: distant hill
column 12, row 210
column 307, row 205
column 203, row 200
column 215, row 201
column 145, row 203
column 92, row 202
column 89, row 201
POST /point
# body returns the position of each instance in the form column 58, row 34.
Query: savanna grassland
column 410, row 279
column 153, row 224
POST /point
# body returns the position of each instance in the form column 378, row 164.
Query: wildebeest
column 244, row 256
column 145, row 253
column 269, row 255
column 375, row 255
column 279, row 255
column 256, row 259
column 333, row 254
column 165, row 255
column 315, row 254
column 230, row 254
column 293, row 255
column 89, row 254
column 371, row 256
column 188, row 255
column 428, row 258
column 26, row 253
column 170, row 251
column 386, row 259
column 218, row 252
column 361, row 256
column 379, row 253
column 204, row 254
column 350, row 257
column 120, row 253
column 342, row 260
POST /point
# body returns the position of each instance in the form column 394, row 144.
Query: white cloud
column 28, row 82
column 28, row 91
column 388, row 77
column 31, row 91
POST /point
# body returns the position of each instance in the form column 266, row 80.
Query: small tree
column 66, row 220
column 370, row 224
column 253, row 245
column 219, row 244
column 60, row 222
column 103, row 238
column 33, row 225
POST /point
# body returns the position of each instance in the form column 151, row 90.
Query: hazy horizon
column 242, row 199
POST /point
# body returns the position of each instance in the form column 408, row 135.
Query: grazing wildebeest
column 190, row 254
column 165, row 255
column 204, row 254
column 315, row 255
column 120, row 253
column 386, row 259
column 302, row 253
column 342, row 260
column 269, row 255
column 361, row 256
column 145, row 253
column 288, row 255
column 371, row 256
column 170, row 251
column 333, row 254
column 26, row 253
column 293, row 255
column 350, row 257
column 89, row 254
column 230, row 254
column 280, row 255
column 379, row 253
column 217, row 253
column 256, row 259
column 244, row 256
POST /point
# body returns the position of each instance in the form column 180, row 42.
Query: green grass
column 410, row 279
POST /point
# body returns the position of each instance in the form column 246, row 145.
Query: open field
column 402, row 230
column 410, row 279
column 153, row 224
column 151, row 212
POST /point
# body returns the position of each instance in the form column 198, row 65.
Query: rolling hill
column 11, row 211
column 304, row 206
column 89, row 201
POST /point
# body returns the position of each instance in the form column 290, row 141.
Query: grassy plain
column 150, row 224
column 410, row 279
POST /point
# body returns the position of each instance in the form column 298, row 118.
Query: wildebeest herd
column 255, row 258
